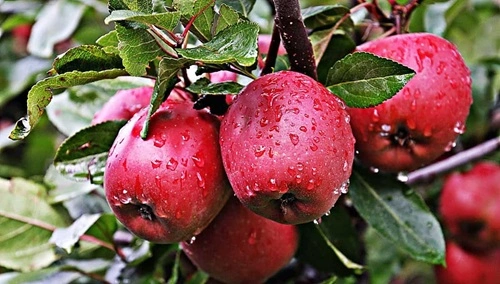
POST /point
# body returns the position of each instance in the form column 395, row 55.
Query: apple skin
column 421, row 121
column 125, row 103
column 240, row 246
column 287, row 147
column 169, row 187
column 470, row 206
column 463, row 267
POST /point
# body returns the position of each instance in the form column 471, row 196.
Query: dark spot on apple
column 146, row 212
column 287, row 198
column 471, row 227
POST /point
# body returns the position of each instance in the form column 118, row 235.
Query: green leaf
column 329, row 47
column 137, row 48
column 86, row 58
column 399, row 214
column 236, row 44
column 317, row 17
column 145, row 6
column 227, row 17
column 204, row 87
column 363, row 80
column 66, row 238
column 62, row 188
column 109, row 42
column 40, row 95
column 55, row 23
column 204, row 15
column 27, row 224
column 166, row 20
column 104, row 228
column 383, row 258
column 320, row 244
column 83, row 154
column 167, row 78
column 242, row 6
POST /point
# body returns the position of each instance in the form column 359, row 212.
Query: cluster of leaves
column 70, row 232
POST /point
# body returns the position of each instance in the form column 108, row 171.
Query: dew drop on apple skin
column 252, row 237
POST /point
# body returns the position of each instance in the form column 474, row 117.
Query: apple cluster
column 285, row 149
column 469, row 208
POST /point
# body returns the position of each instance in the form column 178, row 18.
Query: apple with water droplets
column 423, row 120
column 287, row 147
column 168, row 187
column 125, row 103
column 465, row 267
column 470, row 206
column 240, row 246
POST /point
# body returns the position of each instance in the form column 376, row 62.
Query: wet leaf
column 398, row 214
column 66, row 238
column 242, row 6
column 204, row 15
column 86, row 58
column 165, row 20
column 362, row 79
column 227, row 17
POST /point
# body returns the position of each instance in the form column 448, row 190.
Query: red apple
column 263, row 43
column 423, row 120
column 463, row 267
column 240, row 246
column 168, row 187
column 470, row 206
column 125, row 103
column 287, row 147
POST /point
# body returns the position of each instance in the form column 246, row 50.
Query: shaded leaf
column 145, row 6
column 317, row 17
column 236, row 44
column 362, row 79
column 383, row 258
column 40, row 95
column 399, row 214
column 27, row 224
column 66, row 238
column 242, row 6
column 205, row 87
column 62, row 188
column 166, row 20
column 227, row 17
column 204, row 15
column 109, row 42
column 86, row 58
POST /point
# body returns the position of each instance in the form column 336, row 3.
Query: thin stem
column 295, row 40
column 462, row 158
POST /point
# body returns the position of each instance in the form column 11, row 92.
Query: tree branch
column 293, row 32
column 429, row 172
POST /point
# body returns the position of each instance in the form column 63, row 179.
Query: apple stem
column 272, row 53
column 295, row 40
column 428, row 173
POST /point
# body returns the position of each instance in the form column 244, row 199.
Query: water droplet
column 300, row 166
column 313, row 147
column 185, row 135
column 201, row 180
column 199, row 162
column 294, row 138
column 178, row 214
column 172, row 164
column 156, row 164
column 317, row 221
column 160, row 141
column 374, row 170
column 459, row 128
column 347, row 118
column 327, row 213
column 345, row 166
column 402, row 177
column 428, row 131
column 124, row 191
column 411, row 123
column 273, row 186
column 344, row 188
column 375, row 116
column 271, row 153
column 385, row 127
column 317, row 105
column 310, row 184
column 252, row 237
column 303, row 129
column 275, row 128
column 256, row 187
column 440, row 68
column 450, row 146
column 291, row 170
column 192, row 240
column 259, row 151
column 264, row 121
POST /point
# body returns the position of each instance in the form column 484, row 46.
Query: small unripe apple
column 125, row 103
column 287, row 147
column 168, row 187
column 421, row 121
column 463, row 267
column 240, row 246
column 470, row 206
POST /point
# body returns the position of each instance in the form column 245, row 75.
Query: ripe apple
column 423, row 120
column 168, row 187
column 240, row 246
column 463, row 267
column 264, row 42
column 287, row 147
column 125, row 103
column 470, row 206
